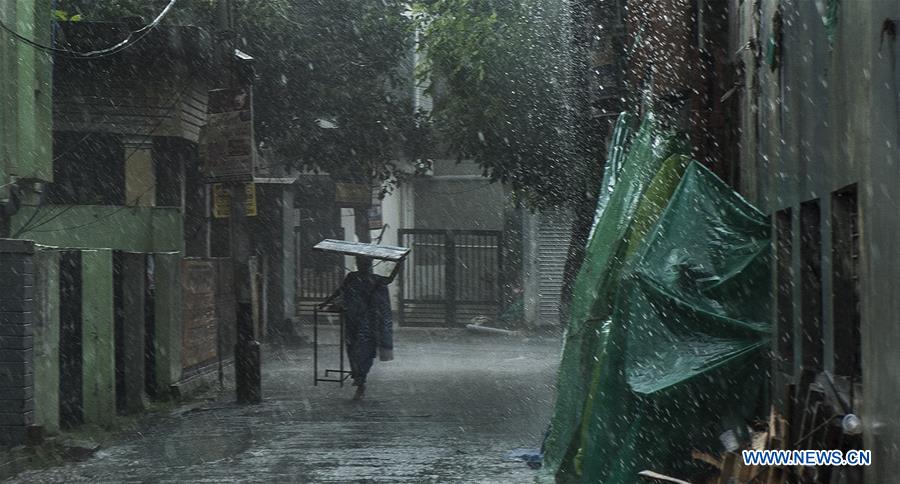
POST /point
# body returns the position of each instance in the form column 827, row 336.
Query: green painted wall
column 134, row 229
column 98, row 343
column 26, row 104
column 168, row 320
column 167, row 229
column 46, row 340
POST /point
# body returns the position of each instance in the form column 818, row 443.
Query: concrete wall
column 46, row 340
column 135, row 229
column 16, row 340
column 287, row 275
column 98, row 342
column 167, row 277
column 96, row 400
column 273, row 230
column 131, row 360
column 458, row 203
column 828, row 116
column 397, row 212
column 455, row 196
column 30, row 335
column 25, row 107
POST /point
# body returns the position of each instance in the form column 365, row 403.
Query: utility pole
column 246, row 350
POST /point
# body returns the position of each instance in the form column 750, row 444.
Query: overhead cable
column 129, row 41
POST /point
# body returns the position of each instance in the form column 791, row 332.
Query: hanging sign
column 376, row 221
column 226, row 141
column 352, row 195
column 222, row 200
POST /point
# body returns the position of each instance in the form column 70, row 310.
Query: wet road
column 448, row 409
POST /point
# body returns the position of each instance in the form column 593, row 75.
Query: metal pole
column 450, row 276
column 246, row 350
column 341, row 344
column 315, row 346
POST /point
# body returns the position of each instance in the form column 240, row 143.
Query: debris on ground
column 532, row 457
column 477, row 325
column 78, row 449
column 657, row 477
column 477, row 328
column 729, row 467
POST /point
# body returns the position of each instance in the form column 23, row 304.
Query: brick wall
column 16, row 340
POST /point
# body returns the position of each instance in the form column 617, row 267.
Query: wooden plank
column 777, row 475
column 729, row 467
column 745, row 472
column 199, row 326
column 382, row 252
column 704, row 457
column 758, row 440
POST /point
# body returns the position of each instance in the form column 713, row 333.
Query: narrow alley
column 575, row 241
column 450, row 408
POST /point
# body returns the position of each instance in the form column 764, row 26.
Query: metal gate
column 318, row 274
column 451, row 277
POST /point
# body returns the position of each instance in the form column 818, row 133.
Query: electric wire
column 72, row 147
column 129, row 41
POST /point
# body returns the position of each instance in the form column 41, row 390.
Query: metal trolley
column 342, row 374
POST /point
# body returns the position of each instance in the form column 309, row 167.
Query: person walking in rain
column 367, row 318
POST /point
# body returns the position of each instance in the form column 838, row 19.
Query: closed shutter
column 554, row 233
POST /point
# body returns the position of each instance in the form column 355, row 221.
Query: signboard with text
column 226, row 142
column 352, row 195
column 222, row 200
column 376, row 221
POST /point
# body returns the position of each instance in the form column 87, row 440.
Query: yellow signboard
column 352, row 195
column 250, row 199
column 222, row 200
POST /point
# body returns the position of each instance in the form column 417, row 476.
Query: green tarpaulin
column 666, row 345
column 597, row 280
column 615, row 158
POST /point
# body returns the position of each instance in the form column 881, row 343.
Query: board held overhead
column 382, row 252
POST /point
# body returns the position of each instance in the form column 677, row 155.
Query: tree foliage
column 499, row 74
column 333, row 63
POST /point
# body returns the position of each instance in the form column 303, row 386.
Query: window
column 845, row 282
column 170, row 161
column 88, row 169
column 784, row 304
column 812, row 345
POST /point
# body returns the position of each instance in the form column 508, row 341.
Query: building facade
column 819, row 151
column 102, row 202
column 793, row 103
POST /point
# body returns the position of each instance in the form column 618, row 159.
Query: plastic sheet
column 596, row 282
column 666, row 345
